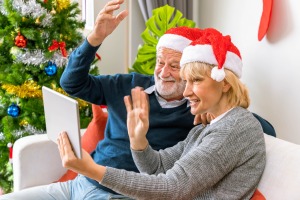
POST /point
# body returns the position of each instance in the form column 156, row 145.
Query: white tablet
column 62, row 114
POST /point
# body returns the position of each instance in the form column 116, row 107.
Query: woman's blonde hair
column 237, row 94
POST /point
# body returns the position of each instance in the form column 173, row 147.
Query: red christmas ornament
column 20, row 41
column 61, row 45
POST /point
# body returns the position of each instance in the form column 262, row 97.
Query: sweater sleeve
column 185, row 180
column 154, row 162
column 76, row 80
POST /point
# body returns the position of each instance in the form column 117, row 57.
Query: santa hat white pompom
column 215, row 49
column 217, row 74
column 9, row 145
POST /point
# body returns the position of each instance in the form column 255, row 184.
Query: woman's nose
column 187, row 90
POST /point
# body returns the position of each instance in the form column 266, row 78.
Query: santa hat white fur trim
column 173, row 41
column 204, row 53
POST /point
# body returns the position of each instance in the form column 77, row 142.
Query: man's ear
column 226, row 86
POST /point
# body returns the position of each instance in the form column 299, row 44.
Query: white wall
column 271, row 66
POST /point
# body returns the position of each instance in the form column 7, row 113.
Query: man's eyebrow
column 175, row 61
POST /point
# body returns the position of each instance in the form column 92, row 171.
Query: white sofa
column 37, row 162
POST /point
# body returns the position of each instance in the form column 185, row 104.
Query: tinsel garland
column 2, row 9
column 29, row 89
column 20, row 133
column 28, row 129
column 33, row 9
column 36, row 57
column 81, row 103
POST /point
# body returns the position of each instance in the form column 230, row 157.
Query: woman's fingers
column 128, row 103
column 145, row 102
column 65, row 149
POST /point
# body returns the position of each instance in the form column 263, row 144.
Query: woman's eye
column 197, row 79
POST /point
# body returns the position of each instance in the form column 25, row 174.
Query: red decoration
column 61, row 45
column 98, row 56
column 9, row 145
column 20, row 41
column 265, row 18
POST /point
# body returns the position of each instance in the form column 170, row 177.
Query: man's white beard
column 169, row 90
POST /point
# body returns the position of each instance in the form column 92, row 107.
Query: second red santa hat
column 214, row 48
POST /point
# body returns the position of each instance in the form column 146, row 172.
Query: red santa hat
column 214, row 48
column 178, row 38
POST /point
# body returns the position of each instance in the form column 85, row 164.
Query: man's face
column 167, row 79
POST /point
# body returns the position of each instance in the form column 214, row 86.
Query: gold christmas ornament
column 23, row 123
column 53, row 12
column 37, row 21
column 62, row 4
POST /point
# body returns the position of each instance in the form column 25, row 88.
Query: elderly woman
column 223, row 160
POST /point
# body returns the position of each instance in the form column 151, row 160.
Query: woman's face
column 205, row 94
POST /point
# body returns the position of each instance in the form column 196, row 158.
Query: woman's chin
column 194, row 111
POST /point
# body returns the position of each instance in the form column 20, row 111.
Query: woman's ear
column 226, row 85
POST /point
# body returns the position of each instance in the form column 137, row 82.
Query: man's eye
column 175, row 67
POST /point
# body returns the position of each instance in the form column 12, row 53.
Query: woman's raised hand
column 137, row 107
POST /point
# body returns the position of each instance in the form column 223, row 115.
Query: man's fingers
column 204, row 119
column 111, row 6
column 122, row 15
column 197, row 119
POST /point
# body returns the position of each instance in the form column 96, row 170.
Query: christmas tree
column 36, row 37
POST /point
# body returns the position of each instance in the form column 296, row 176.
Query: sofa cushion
column 257, row 195
column 281, row 177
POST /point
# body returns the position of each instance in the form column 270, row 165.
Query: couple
column 223, row 160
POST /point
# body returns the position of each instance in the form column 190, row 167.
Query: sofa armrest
column 281, row 177
column 36, row 161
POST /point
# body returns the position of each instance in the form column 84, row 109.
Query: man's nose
column 165, row 71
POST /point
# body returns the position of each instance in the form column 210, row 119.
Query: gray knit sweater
column 224, row 160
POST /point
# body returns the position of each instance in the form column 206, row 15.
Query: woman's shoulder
column 239, row 120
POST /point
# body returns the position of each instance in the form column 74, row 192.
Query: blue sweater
column 167, row 126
